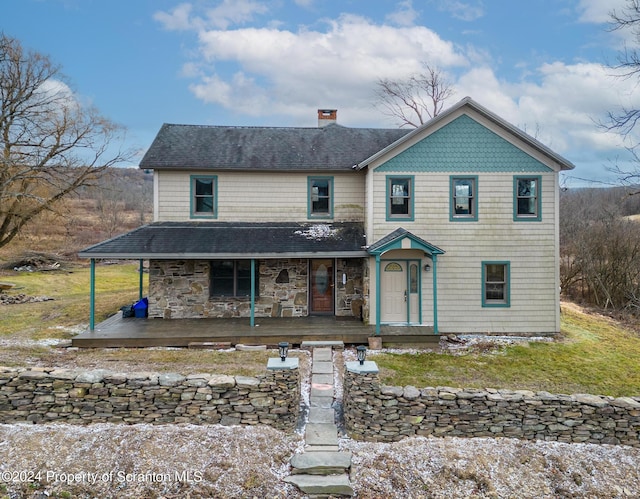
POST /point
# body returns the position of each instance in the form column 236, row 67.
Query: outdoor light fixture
column 361, row 353
column 427, row 267
column 283, row 347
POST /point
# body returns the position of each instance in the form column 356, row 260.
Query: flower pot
column 375, row 342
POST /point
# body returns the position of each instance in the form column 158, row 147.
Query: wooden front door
column 321, row 283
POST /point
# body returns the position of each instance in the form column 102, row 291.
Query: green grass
column 594, row 355
column 116, row 285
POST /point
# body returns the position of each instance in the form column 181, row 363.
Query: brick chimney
column 327, row 117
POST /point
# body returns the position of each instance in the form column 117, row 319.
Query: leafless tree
column 415, row 100
column 50, row 143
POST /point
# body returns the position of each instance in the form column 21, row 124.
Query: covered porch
column 134, row 332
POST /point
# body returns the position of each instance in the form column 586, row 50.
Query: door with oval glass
column 321, row 295
column 400, row 288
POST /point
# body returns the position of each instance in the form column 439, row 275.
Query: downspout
column 378, row 295
column 92, row 296
column 252, row 321
column 434, row 258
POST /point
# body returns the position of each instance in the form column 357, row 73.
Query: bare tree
column 50, row 144
column 415, row 100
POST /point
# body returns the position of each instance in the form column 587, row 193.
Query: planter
column 375, row 342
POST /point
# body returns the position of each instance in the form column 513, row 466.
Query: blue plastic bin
column 141, row 308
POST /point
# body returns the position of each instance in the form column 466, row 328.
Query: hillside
column 120, row 201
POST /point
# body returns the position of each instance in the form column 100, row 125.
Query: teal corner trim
column 252, row 321
column 473, row 216
column 140, row 283
column 434, row 259
column 92, row 296
column 410, row 217
column 378, row 300
column 310, row 214
column 192, row 208
column 527, row 218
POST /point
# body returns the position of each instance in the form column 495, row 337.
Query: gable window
column 400, row 198
column 495, row 284
column 320, row 193
column 232, row 278
column 204, row 196
column 527, row 198
column 464, row 199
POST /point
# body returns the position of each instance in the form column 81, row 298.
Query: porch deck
column 134, row 332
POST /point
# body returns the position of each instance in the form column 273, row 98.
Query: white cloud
column 465, row 11
column 405, row 15
column 222, row 16
column 599, row 11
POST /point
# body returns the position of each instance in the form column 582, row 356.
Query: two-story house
column 452, row 225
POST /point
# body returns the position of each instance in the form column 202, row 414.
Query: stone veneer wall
column 389, row 413
column 84, row 397
column 179, row 289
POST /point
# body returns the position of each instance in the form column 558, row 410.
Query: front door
column 400, row 283
column 321, row 282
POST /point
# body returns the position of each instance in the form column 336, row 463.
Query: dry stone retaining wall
column 389, row 413
column 84, row 397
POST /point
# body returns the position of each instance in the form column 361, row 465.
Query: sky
column 542, row 65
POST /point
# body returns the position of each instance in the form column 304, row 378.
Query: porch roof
column 204, row 240
column 394, row 240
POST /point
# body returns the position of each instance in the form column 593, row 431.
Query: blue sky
column 539, row 64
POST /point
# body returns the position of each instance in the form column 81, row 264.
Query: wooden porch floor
column 133, row 332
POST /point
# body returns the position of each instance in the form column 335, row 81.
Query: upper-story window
column 320, row 194
column 204, row 196
column 526, row 198
column 464, row 199
column 400, row 198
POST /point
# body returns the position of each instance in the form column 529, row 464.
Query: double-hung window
column 320, row 197
column 232, row 278
column 464, row 199
column 204, row 196
column 495, row 284
column 526, row 198
column 400, row 198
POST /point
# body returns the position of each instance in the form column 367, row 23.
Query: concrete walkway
column 322, row 469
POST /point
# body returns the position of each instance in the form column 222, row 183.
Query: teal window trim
column 506, row 302
column 471, row 217
column 321, row 215
column 410, row 195
column 537, row 217
column 193, row 207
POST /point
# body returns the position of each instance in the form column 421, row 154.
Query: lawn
column 593, row 355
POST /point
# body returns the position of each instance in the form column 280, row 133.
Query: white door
column 400, row 299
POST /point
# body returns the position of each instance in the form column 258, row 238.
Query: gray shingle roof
column 192, row 240
column 332, row 147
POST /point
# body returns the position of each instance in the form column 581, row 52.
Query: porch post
column 434, row 258
column 140, row 283
column 378, row 300
column 92, row 296
column 252, row 321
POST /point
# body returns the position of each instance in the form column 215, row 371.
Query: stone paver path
column 322, row 469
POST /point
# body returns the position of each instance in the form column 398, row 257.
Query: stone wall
column 84, row 397
column 388, row 413
column 179, row 289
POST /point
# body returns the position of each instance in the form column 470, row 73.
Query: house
column 453, row 225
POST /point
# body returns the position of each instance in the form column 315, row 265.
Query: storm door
column 321, row 294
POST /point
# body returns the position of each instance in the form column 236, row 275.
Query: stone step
column 321, row 463
column 321, row 415
column 325, row 379
column 322, row 367
column 318, row 484
column 322, row 448
column 338, row 345
column 321, row 390
column 322, row 355
column 321, row 402
column 321, row 434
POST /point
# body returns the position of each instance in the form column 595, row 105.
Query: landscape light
column 283, row 347
column 361, row 352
